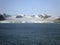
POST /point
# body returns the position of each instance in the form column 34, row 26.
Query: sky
column 30, row 7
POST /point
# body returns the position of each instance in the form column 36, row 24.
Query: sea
column 29, row 34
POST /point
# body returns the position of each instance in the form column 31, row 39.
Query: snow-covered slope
column 28, row 19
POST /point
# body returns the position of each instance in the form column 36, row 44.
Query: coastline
column 14, row 21
column 29, row 19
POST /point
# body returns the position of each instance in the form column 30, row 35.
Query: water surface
column 30, row 34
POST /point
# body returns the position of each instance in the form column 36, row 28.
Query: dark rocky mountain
column 2, row 17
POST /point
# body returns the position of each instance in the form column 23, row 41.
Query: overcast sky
column 30, row 7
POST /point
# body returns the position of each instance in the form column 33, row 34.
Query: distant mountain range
column 29, row 19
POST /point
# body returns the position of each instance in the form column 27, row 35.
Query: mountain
column 57, row 20
column 2, row 17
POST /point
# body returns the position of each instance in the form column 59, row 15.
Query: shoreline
column 14, row 21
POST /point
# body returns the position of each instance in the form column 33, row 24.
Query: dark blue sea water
column 30, row 34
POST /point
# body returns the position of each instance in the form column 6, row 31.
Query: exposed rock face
column 1, row 17
column 18, row 16
column 57, row 20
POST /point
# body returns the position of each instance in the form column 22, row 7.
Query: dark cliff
column 2, row 17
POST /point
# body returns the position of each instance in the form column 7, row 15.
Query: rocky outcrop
column 57, row 20
column 2, row 17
